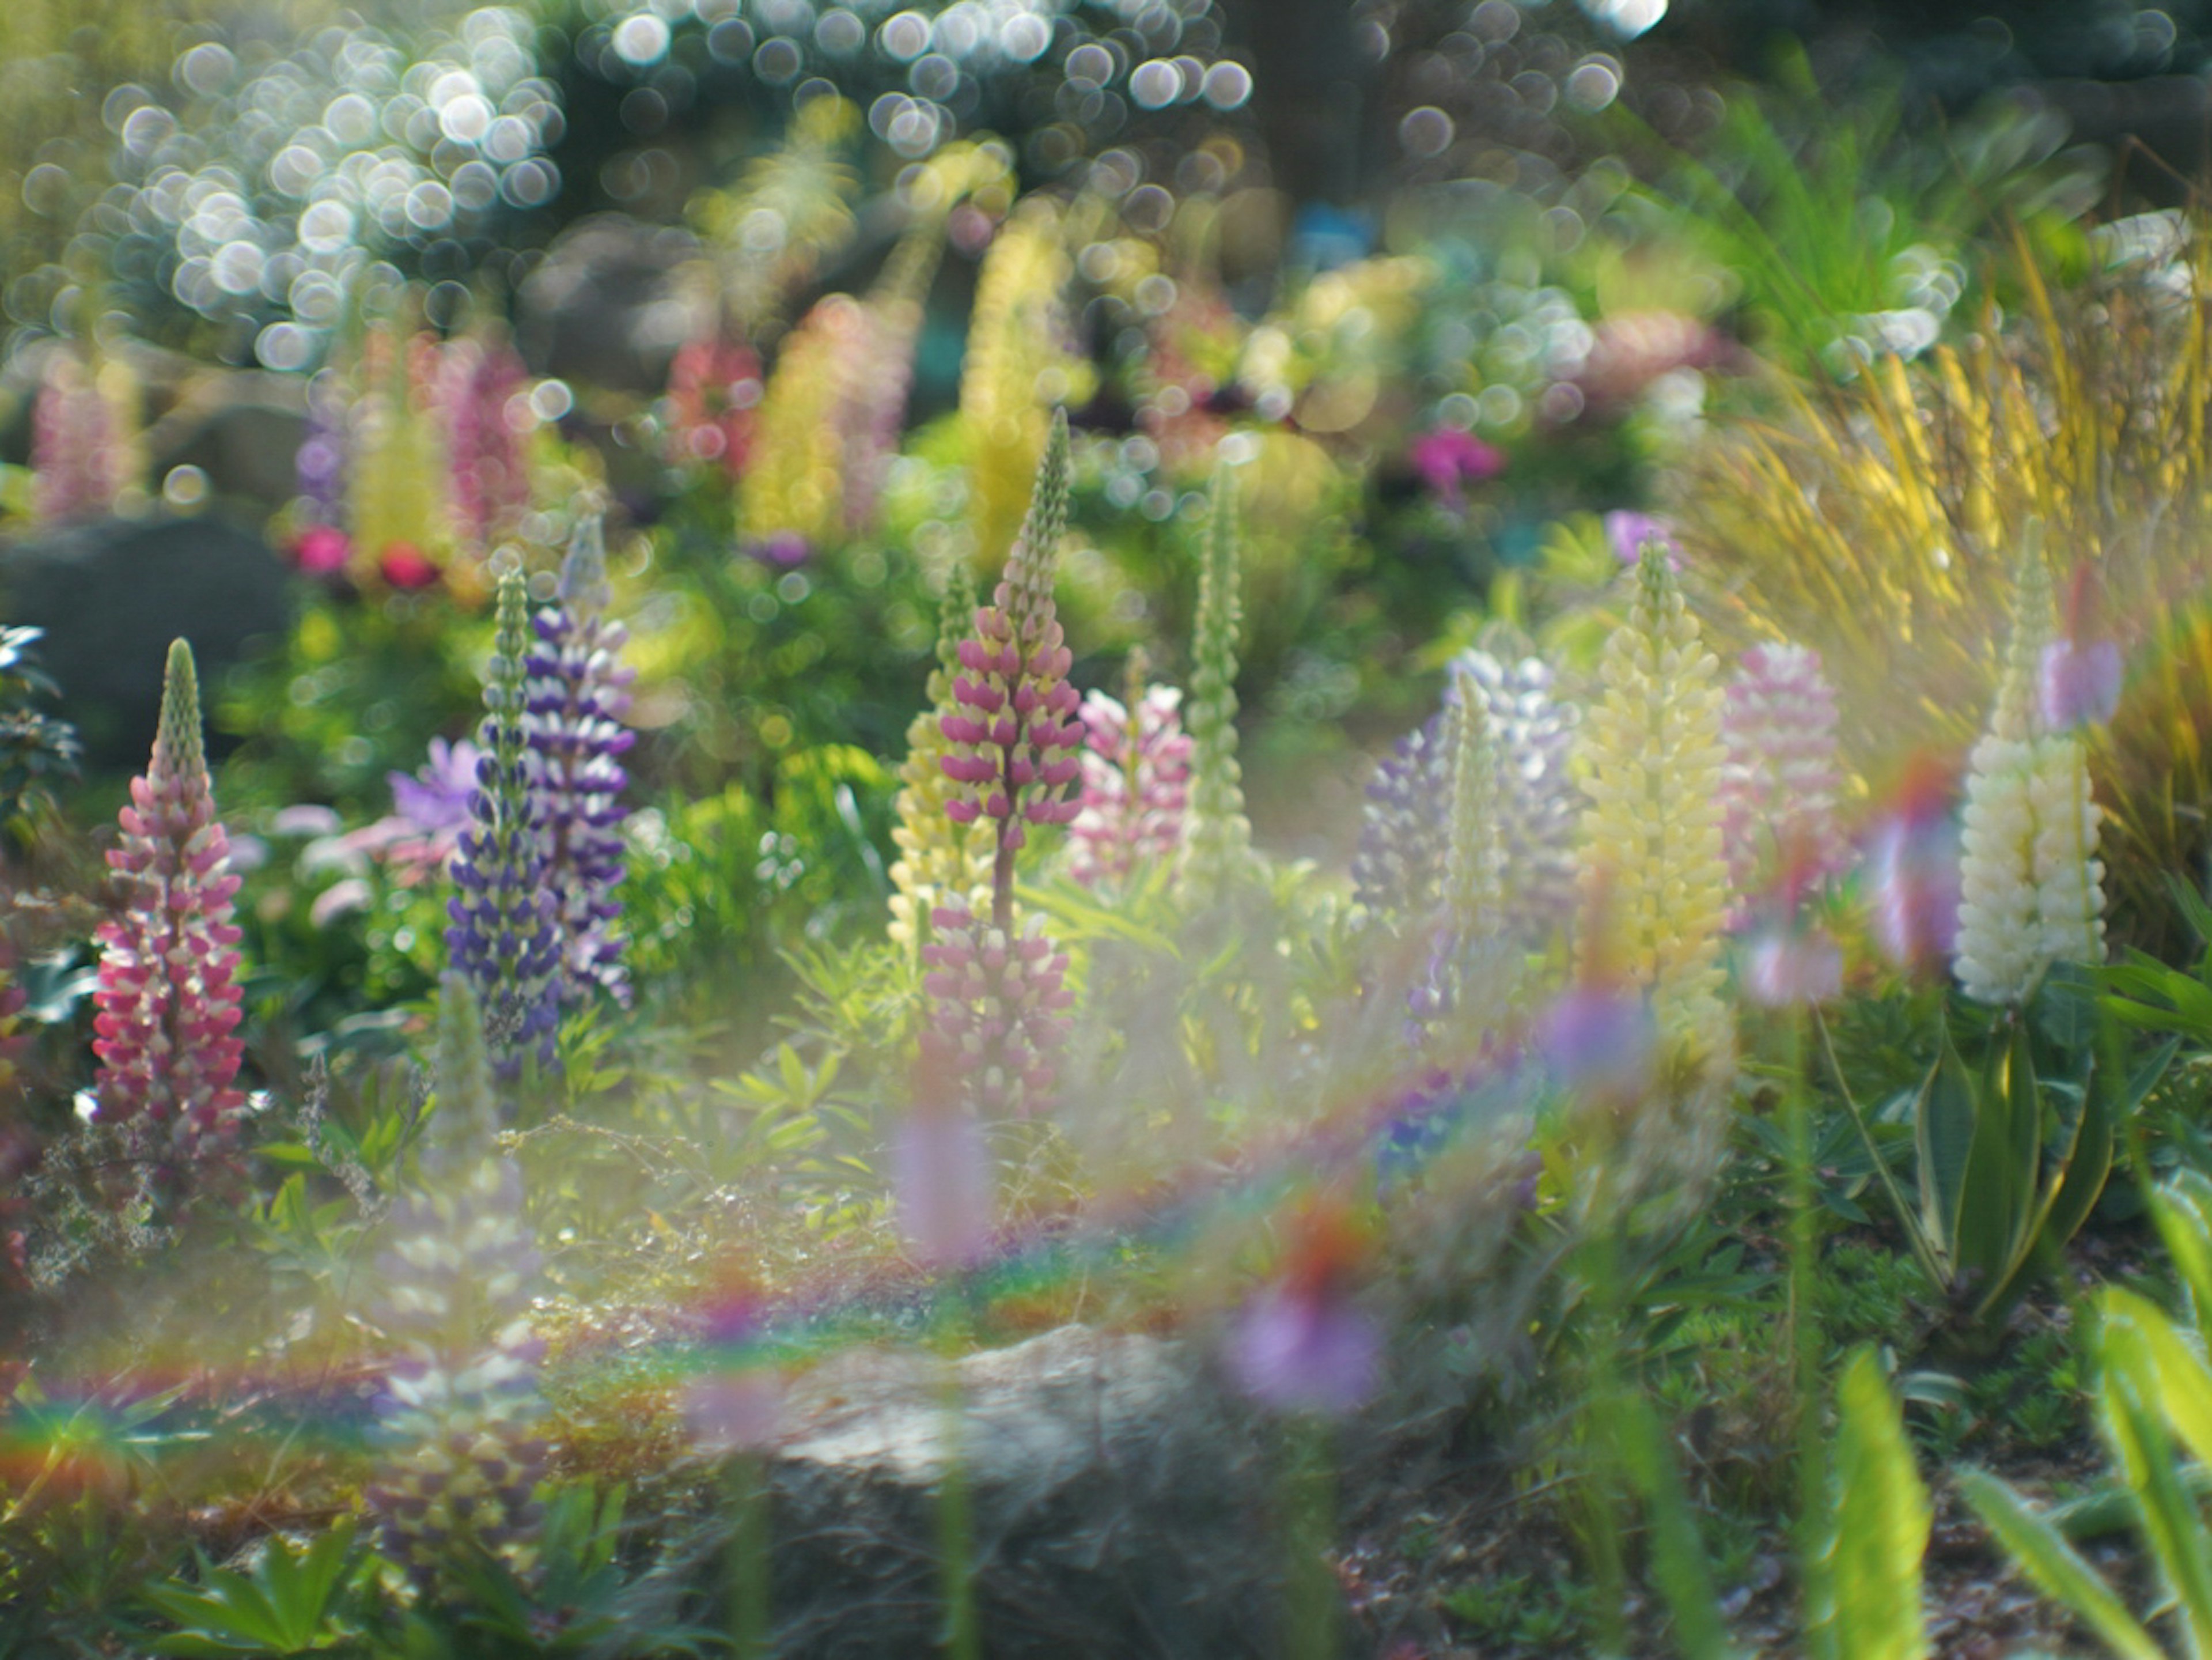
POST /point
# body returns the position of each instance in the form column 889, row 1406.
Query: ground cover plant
column 826, row 832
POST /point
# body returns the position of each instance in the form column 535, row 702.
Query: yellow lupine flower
column 1651, row 838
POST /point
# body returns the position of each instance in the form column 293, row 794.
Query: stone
column 111, row 593
column 1119, row 1509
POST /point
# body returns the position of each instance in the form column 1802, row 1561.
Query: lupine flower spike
column 1653, row 830
column 938, row 857
column 83, row 456
column 458, row 1418
column 478, row 381
column 2030, row 880
column 1781, row 788
column 1218, row 843
column 576, row 696
column 995, row 983
column 502, row 936
column 168, row 993
column 1136, row 782
column 1473, row 888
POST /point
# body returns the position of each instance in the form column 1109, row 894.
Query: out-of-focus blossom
column 169, row 997
column 1599, row 1040
column 784, row 550
column 1626, row 531
column 81, row 453
column 305, row 818
column 1789, row 965
column 1136, row 782
column 436, row 797
column 1912, row 870
column 997, row 1008
column 2079, row 673
column 478, row 383
column 1782, row 787
column 322, row 551
column 2030, row 883
column 941, row 1184
column 1303, row 1343
column 1652, row 833
column 320, row 465
column 1449, row 459
column 397, row 510
column 342, row 898
column 406, row 567
column 714, row 389
column 735, row 1404
column 1631, row 349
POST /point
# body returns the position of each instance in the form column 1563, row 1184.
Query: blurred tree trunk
column 1308, row 88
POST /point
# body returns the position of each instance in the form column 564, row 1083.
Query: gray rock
column 1119, row 1509
column 111, row 593
column 606, row 307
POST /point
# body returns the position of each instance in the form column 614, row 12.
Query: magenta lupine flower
column 478, row 383
column 1627, row 531
column 997, row 999
column 1303, row 1343
column 577, row 693
column 76, row 460
column 1912, row 871
column 168, row 993
column 1781, row 786
column 322, row 551
column 1136, row 785
column 1448, row 458
column 2080, row 680
column 941, row 1184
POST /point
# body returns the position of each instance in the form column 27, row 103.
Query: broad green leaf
column 2055, row 1565
column 2182, row 1208
column 1943, row 1119
column 2140, row 1344
column 2171, row 1524
column 1882, row 1520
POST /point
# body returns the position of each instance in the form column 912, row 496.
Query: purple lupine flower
column 2080, row 678
column 1781, row 786
column 477, row 384
column 576, row 696
column 1136, row 785
column 1398, row 870
column 503, row 936
column 1627, row 531
column 320, row 465
column 1448, row 458
column 169, row 997
column 76, row 458
column 1600, row 1040
column 1912, row 871
column 1303, row 1343
column 436, row 797
column 997, row 1008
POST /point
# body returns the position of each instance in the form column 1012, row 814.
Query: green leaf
column 2140, row 1343
column 1883, row 1522
column 1678, row 1554
column 2171, row 1522
column 2182, row 1208
column 2055, row 1565
column 1944, row 1118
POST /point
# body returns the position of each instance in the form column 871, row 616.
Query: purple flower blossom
column 320, row 465
column 435, row 798
column 1627, row 531
column 1600, row 1040
column 1913, row 871
column 1788, row 966
column 941, row 1184
column 1448, row 459
column 576, row 696
column 1303, row 1343
column 997, row 1008
column 2080, row 683
column 478, row 384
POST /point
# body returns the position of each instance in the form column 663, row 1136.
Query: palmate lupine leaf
column 288, row 1603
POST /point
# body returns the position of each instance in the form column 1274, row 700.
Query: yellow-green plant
column 794, row 484
column 1876, row 520
column 791, row 208
column 937, row 858
column 2153, row 1390
column 1863, row 1600
column 1019, row 365
column 1651, row 838
column 1218, row 843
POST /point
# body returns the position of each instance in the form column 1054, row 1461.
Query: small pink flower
column 322, row 551
column 1912, row 871
column 2079, row 683
column 1448, row 459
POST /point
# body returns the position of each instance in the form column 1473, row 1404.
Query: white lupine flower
column 2030, row 882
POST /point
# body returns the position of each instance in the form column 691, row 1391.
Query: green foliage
column 37, row 751
column 287, row 1603
column 1868, row 1606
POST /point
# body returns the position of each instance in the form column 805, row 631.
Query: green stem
column 1309, row 1505
column 749, row 1621
column 959, row 1638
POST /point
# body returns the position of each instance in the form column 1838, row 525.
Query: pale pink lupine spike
column 168, row 998
column 1782, row 787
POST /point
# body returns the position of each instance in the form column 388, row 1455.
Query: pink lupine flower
column 406, row 567
column 1136, row 785
column 714, row 396
column 1781, row 786
column 168, row 994
column 2080, row 679
column 77, row 461
column 1448, row 458
column 997, row 1003
column 1303, row 1343
column 322, row 551
column 478, row 383
column 1912, row 870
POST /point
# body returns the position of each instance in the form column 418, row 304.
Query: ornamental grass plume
column 573, row 702
column 1781, row 788
column 995, row 982
column 1217, row 842
column 1019, row 365
column 83, row 439
column 1651, row 835
column 938, row 857
column 503, row 938
column 168, row 994
column 2031, row 884
column 458, row 1419
column 1136, row 782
